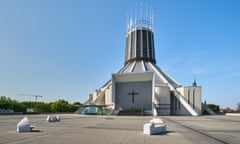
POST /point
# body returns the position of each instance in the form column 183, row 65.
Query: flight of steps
column 132, row 113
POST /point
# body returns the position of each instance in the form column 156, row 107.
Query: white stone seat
column 24, row 125
column 53, row 118
column 155, row 126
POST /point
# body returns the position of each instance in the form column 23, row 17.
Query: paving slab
column 82, row 129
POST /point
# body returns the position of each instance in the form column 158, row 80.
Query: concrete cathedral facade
column 140, row 85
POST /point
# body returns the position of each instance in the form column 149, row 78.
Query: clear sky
column 65, row 49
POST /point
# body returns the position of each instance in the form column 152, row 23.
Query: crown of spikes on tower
column 140, row 38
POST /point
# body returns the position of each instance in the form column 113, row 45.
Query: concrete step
column 131, row 112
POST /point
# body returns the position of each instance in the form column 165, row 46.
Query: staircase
column 131, row 113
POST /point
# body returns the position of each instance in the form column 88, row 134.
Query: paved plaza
column 79, row 129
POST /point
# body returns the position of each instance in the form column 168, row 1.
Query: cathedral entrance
column 133, row 91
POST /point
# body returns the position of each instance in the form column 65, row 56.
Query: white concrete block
column 151, row 128
column 54, row 118
column 155, row 126
column 24, row 125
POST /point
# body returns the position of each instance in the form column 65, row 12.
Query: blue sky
column 65, row 49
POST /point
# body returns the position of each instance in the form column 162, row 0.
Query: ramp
column 210, row 111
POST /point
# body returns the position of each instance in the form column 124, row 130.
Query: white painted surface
column 232, row 114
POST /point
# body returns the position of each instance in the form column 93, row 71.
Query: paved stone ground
column 80, row 129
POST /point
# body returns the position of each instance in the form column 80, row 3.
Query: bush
column 214, row 107
column 41, row 107
column 61, row 106
column 238, row 108
column 57, row 106
column 8, row 103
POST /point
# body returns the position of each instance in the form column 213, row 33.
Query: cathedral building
column 141, row 85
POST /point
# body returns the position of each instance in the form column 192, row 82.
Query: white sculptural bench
column 154, row 126
column 24, row 125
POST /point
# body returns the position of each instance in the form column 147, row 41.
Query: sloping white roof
column 128, row 77
column 141, row 66
column 161, row 77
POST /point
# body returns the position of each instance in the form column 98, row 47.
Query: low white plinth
column 155, row 126
column 53, row 118
column 24, row 126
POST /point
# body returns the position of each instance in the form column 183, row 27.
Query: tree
column 41, row 107
column 214, row 107
column 61, row 106
column 8, row 103
column 76, row 105
column 18, row 106
column 57, row 106
column 238, row 108
column 5, row 103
